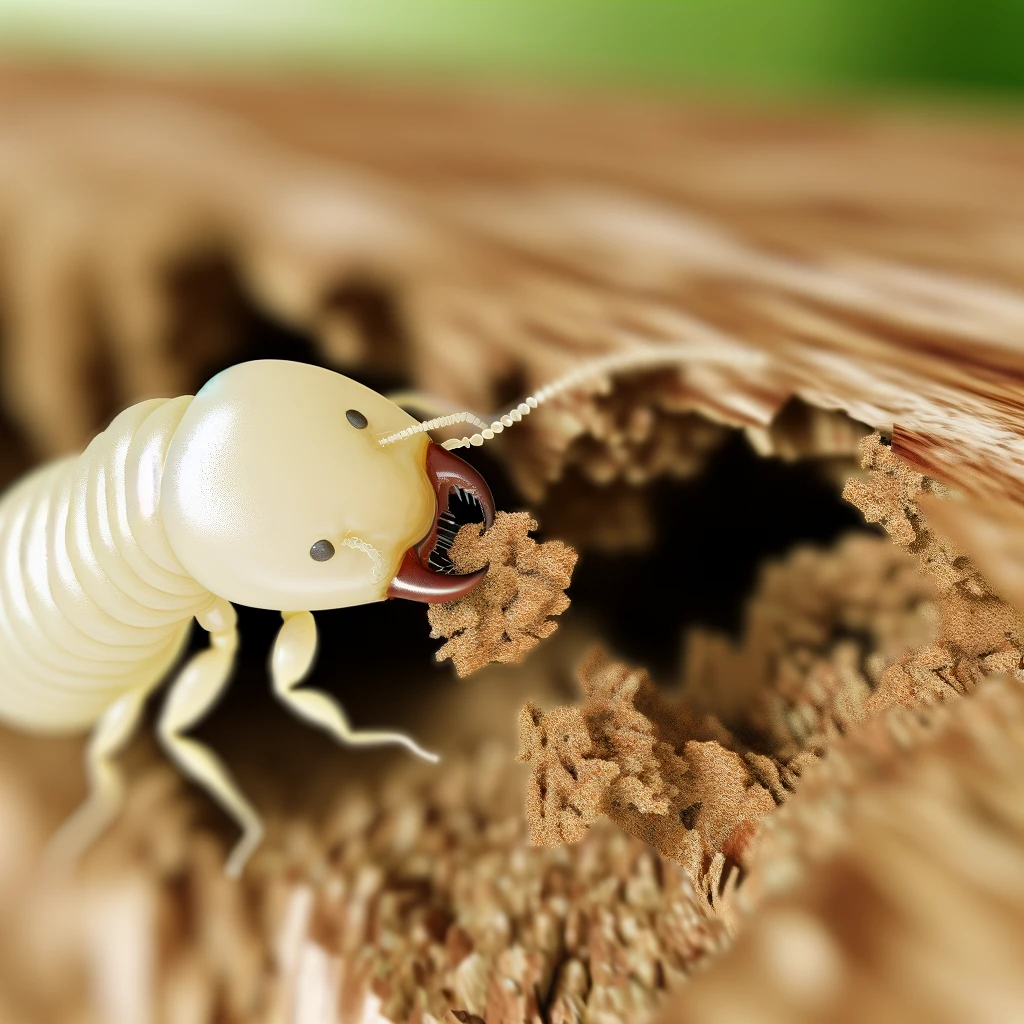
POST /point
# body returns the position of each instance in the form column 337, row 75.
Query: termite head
column 276, row 494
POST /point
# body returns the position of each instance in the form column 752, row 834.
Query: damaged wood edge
column 682, row 781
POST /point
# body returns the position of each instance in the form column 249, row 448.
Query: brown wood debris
column 832, row 640
column 641, row 429
column 512, row 609
column 979, row 632
column 819, row 633
column 609, row 757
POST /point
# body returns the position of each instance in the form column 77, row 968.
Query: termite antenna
column 438, row 421
column 634, row 359
column 638, row 358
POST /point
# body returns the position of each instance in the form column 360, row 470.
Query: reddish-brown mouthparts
column 417, row 580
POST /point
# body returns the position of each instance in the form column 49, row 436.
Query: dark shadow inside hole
column 375, row 659
column 209, row 312
column 714, row 534
column 509, row 389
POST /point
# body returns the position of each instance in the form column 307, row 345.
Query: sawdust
column 512, row 609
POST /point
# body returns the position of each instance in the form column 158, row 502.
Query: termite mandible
column 279, row 485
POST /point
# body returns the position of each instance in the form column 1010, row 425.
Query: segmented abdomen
column 93, row 602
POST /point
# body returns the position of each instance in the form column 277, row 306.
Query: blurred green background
column 970, row 47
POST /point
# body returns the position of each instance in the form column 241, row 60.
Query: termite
column 279, row 485
column 268, row 489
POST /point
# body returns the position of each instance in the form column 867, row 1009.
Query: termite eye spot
column 321, row 551
column 356, row 418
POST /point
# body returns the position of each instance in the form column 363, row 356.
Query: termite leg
column 194, row 692
column 106, row 782
column 291, row 660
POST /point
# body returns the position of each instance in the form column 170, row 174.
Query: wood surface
column 819, row 271
column 866, row 262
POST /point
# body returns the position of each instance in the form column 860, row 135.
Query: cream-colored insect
column 279, row 485
column 269, row 488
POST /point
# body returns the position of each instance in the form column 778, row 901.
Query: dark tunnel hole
column 715, row 533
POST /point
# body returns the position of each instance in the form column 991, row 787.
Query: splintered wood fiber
column 819, row 818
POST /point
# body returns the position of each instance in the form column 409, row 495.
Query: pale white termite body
column 183, row 506
column 269, row 488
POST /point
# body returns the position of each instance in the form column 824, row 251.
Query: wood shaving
column 512, row 609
